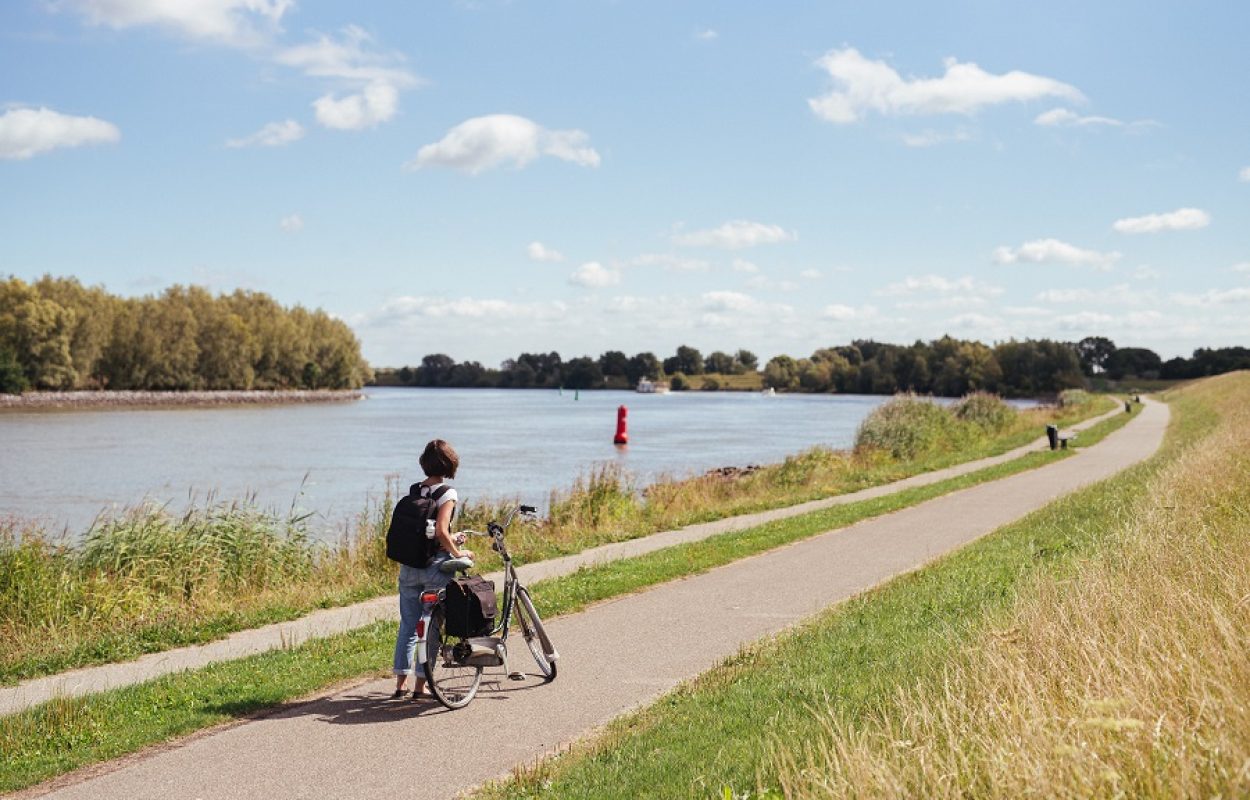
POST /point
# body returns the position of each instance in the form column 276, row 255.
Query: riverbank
column 148, row 581
column 129, row 399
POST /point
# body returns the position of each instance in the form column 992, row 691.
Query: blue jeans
column 412, row 582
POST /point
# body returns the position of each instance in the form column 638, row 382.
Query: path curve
column 358, row 744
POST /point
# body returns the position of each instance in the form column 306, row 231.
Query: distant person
column 439, row 463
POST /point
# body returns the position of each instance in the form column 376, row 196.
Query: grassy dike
column 149, row 581
column 861, row 702
column 63, row 735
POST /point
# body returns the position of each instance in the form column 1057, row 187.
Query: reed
column 149, row 580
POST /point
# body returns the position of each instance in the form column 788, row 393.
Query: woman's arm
column 442, row 531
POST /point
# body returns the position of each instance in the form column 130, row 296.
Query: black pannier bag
column 470, row 607
column 405, row 538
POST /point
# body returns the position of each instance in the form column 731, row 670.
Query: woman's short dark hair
column 439, row 459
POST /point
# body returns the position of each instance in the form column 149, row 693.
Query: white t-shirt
column 449, row 496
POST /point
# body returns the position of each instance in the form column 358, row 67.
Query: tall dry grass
column 1128, row 678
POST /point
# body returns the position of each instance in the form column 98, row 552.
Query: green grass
column 64, row 735
column 712, row 736
column 149, row 581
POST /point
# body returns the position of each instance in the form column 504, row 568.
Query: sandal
column 398, row 694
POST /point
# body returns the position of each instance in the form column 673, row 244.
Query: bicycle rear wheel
column 535, row 636
column 454, row 685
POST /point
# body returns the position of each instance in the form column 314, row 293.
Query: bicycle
column 453, row 665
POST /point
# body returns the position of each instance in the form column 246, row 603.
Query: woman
column 439, row 463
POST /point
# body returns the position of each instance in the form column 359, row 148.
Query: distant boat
column 650, row 387
column 769, row 392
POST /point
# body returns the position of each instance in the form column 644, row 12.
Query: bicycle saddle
column 453, row 565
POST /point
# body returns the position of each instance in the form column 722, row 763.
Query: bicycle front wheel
column 535, row 636
column 454, row 685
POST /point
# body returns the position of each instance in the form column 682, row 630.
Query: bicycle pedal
column 516, row 676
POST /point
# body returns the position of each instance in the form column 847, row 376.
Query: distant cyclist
column 439, row 463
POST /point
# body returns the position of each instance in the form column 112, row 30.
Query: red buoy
column 622, row 436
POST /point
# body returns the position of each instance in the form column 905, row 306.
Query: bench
column 1059, row 438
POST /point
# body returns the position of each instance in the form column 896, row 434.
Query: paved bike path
column 90, row 680
column 615, row 656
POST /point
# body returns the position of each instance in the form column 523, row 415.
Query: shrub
column 1074, row 397
column 904, row 426
column 678, row 383
column 12, row 379
column 986, row 411
column 710, row 384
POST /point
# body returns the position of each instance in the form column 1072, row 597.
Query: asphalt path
column 615, row 656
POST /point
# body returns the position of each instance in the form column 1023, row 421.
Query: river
column 62, row 468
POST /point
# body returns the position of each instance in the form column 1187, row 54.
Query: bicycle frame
column 431, row 600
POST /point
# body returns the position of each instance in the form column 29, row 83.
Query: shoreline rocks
column 131, row 399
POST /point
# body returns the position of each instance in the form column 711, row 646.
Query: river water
column 62, row 468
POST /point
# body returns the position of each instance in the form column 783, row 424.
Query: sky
column 497, row 176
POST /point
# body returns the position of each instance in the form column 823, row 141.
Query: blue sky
column 482, row 178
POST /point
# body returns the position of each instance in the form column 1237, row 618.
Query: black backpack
column 405, row 539
column 470, row 607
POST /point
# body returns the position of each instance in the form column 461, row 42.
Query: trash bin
column 1052, row 433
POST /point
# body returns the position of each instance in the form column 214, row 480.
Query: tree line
column 56, row 334
column 946, row 366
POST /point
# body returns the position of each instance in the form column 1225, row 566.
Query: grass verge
column 64, row 735
column 769, row 717
column 148, row 581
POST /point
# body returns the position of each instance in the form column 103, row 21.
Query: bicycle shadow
column 366, row 706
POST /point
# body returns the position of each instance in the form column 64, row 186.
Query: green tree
column 719, row 362
column 12, row 379
column 781, row 372
column 746, row 361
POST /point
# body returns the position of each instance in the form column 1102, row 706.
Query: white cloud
column 810, row 274
column 1146, row 273
column 844, row 313
column 929, row 138
column 1040, row 251
column 975, row 321
column 292, row 223
column 765, row 283
column 728, row 301
column 1182, row 219
column 1213, row 297
column 863, row 85
column 742, row 265
column 351, row 59
column 1084, row 321
column 595, row 275
column 735, row 235
column 1120, row 294
column 374, row 78
column 936, row 284
column 275, row 134
column 232, row 22
column 26, row 132
column 482, row 143
column 1242, row 267
column 410, row 309
column 1244, row 175
column 540, row 252
column 367, row 109
column 706, row 35
column 1066, row 118
column 670, row 262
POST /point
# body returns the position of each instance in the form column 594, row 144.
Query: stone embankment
column 127, row 399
